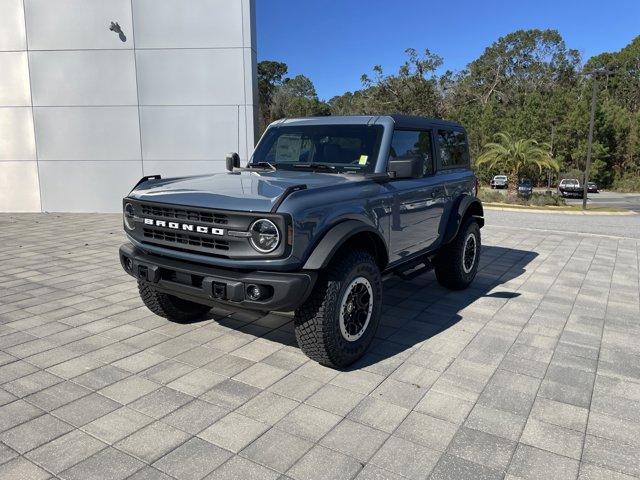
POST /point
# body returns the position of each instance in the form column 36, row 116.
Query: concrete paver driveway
column 532, row 373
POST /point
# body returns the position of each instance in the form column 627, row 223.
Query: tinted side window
column 453, row 149
column 412, row 144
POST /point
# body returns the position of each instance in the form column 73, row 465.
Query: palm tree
column 516, row 156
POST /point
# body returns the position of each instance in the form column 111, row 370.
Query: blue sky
column 335, row 41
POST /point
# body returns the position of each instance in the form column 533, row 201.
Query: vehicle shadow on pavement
column 414, row 311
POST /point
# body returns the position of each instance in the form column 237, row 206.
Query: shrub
column 629, row 183
column 536, row 199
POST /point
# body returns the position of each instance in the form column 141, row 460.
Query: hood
column 246, row 191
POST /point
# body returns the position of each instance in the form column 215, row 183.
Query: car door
column 415, row 208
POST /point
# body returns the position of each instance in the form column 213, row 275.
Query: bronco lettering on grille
column 183, row 226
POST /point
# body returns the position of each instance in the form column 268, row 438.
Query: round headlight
column 265, row 236
column 128, row 215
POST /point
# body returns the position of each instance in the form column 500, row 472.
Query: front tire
column 170, row 307
column 339, row 320
column 457, row 263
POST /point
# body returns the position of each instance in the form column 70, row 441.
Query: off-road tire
column 317, row 324
column 448, row 263
column 170, row 307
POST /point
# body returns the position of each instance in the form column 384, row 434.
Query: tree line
column 528, row 85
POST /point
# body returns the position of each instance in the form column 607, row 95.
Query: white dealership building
column 95, row 94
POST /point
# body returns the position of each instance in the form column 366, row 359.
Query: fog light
column 254, row 292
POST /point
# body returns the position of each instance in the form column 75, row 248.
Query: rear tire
column 170, row 307
column 339, row 320
column 457, row 263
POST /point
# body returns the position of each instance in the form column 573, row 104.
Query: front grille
column 185, row 214
column 185, row 239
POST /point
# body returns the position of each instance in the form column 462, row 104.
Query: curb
column 556, row 212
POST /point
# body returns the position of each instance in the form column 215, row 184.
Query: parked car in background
column 592, row 187
column 499, row 181
column 525, row 188
column 570, row 187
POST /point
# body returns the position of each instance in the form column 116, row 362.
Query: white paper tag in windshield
column 288, row 148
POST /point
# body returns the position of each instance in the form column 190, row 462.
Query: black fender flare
column 336, row 237
column 462, row 205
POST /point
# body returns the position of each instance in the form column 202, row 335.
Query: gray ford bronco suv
column 321, row 212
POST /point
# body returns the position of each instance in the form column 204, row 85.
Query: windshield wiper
column 261, row 165
column 319, row 166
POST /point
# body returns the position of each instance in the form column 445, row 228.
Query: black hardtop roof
column 399, row 121
column 410, row 121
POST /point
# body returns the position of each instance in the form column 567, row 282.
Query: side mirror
column 406, row 167
column 233, row 161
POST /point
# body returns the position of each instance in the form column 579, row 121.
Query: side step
column 414, row 269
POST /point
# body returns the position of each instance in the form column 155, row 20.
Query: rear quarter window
column 453, row 149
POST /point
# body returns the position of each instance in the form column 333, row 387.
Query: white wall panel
column 190, row 77
column 87, row 186
column 12, row 36
column 86, row 77
column 14, row 79
column 87, row 133
column 182, row 168
column 16, row 134
column 19, row 191
column 77, row 24
column 249, row 24
column 188, row 133
column 172, row 24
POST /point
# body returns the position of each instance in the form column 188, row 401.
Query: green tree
column 516, row 157
column 270, row 76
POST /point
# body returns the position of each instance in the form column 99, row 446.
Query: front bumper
column 211, row 286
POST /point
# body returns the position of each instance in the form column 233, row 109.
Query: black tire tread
column 315, row 336
column 448, row 264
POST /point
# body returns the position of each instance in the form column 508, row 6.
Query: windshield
column 334, row 148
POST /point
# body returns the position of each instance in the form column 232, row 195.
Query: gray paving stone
column 406, row 458
column 231, row 393
column 228, row 365
column 149, row 473
column 482, row 448
column 320, row 463
column 239, row 468
column 277, row 449
column 32, row 383
column 378, row 414
column 196, row 382
column 130, row 389
column 261, row 375
column 167, row 371
column 354, row 439
column 450, row 467
column 6, row 453
column 497, row 422
column 233, row 432
column 561, row 414
column 117, row 425
column 267, row 407
column 308, row 422
column 594, row 472
column 160, row 402
column 613, row 428
column 296, row 387
column 108, row 464
column 613, row 455
column 22, row 469
column 531, row 463
column 152, row 441
column 444, row 406
column 334, row 399
column 192, row 460
column 57, row 395
column 65, row 451
column 553, row 438
column 86, row 409
column 101, row 377
column 427, row 431
column 372, row 472
column 17, row 412
column 34, row 433
column 195, row 416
